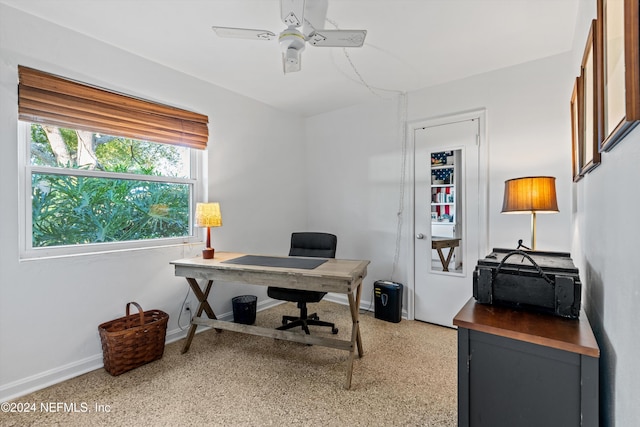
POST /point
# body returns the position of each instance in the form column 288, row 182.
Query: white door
column 440, row 294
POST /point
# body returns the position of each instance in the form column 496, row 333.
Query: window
column 87, row 189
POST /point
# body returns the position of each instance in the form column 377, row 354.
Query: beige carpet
column 407, row 377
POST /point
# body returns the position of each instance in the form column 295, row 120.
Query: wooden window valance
column 46, row 98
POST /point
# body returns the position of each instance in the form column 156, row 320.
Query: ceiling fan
column 304, row 21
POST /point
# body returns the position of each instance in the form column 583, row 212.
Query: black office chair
column 322, row 245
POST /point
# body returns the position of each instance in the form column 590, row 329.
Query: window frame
column 27, row 251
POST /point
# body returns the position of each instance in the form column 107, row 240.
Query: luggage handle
column 518, row 252
column 139, row 310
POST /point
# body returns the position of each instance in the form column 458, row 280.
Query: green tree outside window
column 71, row 209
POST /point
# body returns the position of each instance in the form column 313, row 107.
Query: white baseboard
column 343, row 300
column 364, row 304
column 48, row 378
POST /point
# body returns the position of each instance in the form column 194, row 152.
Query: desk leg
column 449, row 258
column 445, row 263
column 356, row 339
column 204, row 306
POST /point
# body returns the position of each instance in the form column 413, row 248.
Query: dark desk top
column 573, row 335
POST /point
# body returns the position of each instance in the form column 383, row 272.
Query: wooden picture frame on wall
column 589, row 113
column 576, row 138
column 618, row 69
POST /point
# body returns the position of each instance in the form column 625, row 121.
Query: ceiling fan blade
column 338, row 38
column 292, row 12
column 243, row 33
column 315, row 15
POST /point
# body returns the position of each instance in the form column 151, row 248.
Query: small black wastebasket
column 388, row 300
column 244, row 309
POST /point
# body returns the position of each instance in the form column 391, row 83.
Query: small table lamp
column 531, row 194
column 208, row 215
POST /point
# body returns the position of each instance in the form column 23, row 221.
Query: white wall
column 606, row 236
column 527, row 135
column 353, row 167
column 354, row 157
column 50, row 309
column 605, row 243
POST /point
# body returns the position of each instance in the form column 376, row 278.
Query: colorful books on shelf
column 447, row 196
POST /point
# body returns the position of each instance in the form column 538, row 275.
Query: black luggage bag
column 546, row 282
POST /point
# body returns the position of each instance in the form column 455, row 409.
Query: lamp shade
column 530, row 194
column 208, row 215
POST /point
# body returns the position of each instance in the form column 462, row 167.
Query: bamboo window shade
column 50, row 99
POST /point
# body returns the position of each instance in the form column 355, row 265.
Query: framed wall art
column 618, row 47
column 589, row 111
column 576, row 139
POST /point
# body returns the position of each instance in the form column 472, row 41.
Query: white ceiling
column 410, row 44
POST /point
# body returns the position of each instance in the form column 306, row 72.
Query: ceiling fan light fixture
column 292, row 43
column 291, row 60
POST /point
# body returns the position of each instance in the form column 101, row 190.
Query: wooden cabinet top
column 573, row 335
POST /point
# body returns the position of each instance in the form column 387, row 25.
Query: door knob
column 419, row 236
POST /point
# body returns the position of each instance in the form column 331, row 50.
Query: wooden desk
column 335, row 275
column 526, row 369
column 439, row 243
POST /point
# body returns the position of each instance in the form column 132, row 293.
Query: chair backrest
column 321, row 245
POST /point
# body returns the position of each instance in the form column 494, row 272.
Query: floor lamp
column 208, row 215
column 531, row 194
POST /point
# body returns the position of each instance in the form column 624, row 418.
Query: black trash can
column 244, row 309
column 388, row 300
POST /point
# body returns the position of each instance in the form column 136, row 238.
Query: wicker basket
column 133, row 340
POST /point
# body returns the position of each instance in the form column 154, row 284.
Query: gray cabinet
column 519, row 368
